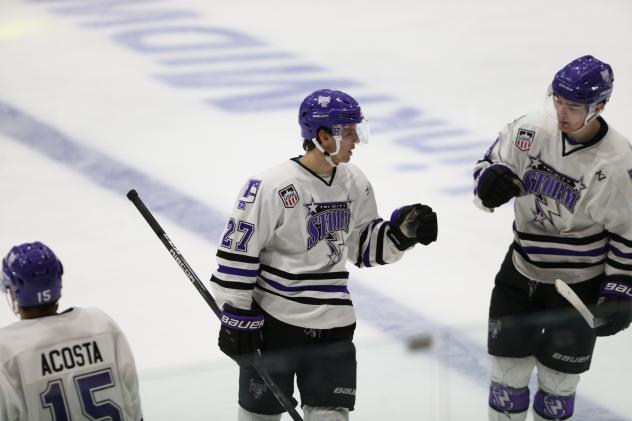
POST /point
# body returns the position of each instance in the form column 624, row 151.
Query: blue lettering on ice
column 176, row 36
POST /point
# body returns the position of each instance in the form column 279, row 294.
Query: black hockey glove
column 240, row 334
column 413, row 224
column 614, row 306
column 497, row 184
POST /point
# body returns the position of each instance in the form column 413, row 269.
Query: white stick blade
column 566, row 292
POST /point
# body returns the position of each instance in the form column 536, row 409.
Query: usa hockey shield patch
column 289, row 196
column 524, row 140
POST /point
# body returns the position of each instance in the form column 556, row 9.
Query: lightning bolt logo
column 545, row 210
column 502, row 398
column 335, row 247
column 554, row 407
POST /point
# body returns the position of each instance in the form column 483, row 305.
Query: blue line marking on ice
column 391, row 317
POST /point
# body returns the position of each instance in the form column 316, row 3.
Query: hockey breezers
column 132, row 195
column 565, row 291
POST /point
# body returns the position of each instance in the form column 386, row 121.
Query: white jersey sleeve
column 11, row 405
column 611, row 206
column 76, row 365
column 369, row 244
column 252, row 223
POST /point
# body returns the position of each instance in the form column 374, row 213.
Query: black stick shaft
column 133, row 196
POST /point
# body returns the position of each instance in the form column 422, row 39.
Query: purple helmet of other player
column 332, row 110
column 585, row 80
column 32, row 273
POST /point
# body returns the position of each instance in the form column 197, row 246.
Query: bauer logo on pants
column 524, row 140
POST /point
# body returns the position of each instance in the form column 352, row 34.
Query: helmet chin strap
column 328, row 155
column 590, row 117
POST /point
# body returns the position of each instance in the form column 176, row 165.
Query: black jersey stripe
column 561, row 240
column 619, row 239
column 304, row 276
column 555, row 265
column 236, row 257
column 618, row 265
column 361, row 244
column 379, row 250
column 232, row 285
column 310, row 300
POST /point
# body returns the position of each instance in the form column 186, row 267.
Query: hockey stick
column 132, row 195
column 566, row 292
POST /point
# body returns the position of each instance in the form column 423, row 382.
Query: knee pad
column 556, row 398
column 244, row 415
column 318, row 413
column 508, row 391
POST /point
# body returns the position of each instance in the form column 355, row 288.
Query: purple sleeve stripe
column 319, row 288
column 619, row 253
column 236, row 271
column 564, row 252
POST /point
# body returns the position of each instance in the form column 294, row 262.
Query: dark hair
column 308, row 145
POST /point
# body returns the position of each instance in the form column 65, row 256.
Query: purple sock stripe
column 455, row 351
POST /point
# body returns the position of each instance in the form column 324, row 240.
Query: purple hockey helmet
column 327, row 108
column 33, row 273
column 585, row 80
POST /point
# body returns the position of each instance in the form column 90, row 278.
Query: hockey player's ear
column 322, row 136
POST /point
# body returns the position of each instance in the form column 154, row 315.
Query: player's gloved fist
column 240, row 334
column 413, row 224
column 497, row 184
column 614, row 306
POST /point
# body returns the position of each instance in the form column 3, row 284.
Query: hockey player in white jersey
column 282, row 260
column 74, row 365
column 571, row 174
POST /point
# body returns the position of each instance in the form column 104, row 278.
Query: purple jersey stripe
column 236, row 271
column 564, row 252
column 619, row 253
column 320, row 288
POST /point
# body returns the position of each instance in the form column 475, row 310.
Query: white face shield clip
column 352, row 133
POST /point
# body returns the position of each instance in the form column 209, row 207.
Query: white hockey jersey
column 574, row 221
column 76, row 366
column 288, row 239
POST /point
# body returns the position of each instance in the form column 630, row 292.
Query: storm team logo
column 551, row 189
column 326, row 221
